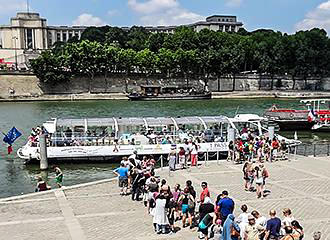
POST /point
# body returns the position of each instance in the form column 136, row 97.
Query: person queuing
column 205, row 192
column 205, row 216
column 122, row 173
column 168, row 207
column 226, row 206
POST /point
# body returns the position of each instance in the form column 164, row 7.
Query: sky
column 280, row 15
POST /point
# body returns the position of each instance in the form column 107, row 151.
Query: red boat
column 291, row 119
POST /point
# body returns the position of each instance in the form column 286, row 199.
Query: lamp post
column 15, row 39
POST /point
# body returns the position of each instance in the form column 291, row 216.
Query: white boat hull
column 28, row 152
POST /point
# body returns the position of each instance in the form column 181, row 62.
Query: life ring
column 291, row 115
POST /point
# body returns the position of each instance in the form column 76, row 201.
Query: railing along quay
column 313, row 149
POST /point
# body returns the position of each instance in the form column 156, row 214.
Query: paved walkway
column 97, row 211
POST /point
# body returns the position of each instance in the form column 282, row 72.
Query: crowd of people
column 180, row 206
column 258, row 173
column 248, row 146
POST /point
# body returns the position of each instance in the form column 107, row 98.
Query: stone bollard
column 43, row 152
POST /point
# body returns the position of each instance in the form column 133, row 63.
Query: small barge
column 155, row 92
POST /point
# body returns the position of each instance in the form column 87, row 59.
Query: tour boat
column 108, row 138
column 292, row 119
column 322, row 121
column 155, row 92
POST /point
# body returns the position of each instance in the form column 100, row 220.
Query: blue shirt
column 122, row 171
column 274, row 226
column 226, row 206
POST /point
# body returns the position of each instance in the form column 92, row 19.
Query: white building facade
column 28, row 34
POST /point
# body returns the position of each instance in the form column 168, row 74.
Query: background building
column 28, row 34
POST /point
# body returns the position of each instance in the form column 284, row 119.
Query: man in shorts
column 122, row 174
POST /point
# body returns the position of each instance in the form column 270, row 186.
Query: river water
column 17, row 178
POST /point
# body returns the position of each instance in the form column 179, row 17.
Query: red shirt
column 275, row 144
column 204, row 193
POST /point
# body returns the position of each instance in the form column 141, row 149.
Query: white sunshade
column 150, row 121
column 215, row 119
column 130, row 121
column 98, row 122
column 70, row 122
column 102, row 122
column 159, row 121
column 188, row 120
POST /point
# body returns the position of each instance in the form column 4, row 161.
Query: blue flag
column 11, row 136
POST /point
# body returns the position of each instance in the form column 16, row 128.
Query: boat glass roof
column 159, row 121
column 215, row 119
column 188, row 120
column 132, row 121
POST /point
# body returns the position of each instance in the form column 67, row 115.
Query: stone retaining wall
column 25, row 84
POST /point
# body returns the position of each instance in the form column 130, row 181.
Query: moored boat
column 107, row 138
column 293, row 119
column 155, row 92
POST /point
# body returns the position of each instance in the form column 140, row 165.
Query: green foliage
column 146, row 61
column 137, row 38
column 207, row 53
column 126, row 60
column 97, row 34
column 50, row 68
column 117, row 36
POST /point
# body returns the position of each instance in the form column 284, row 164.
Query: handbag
column 234, row 233
column 191, row 203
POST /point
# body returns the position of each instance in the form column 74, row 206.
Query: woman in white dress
column 160, row 214
column 172, row 159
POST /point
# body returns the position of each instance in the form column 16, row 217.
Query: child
column 59, row 176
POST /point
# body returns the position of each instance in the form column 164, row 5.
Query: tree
column 137, row 38
column 117, row 36
column 156, row 41
column 126, row 59
column 97, row 34
column 185, row 38
column 50, row 68
column 110, row 61
column 269, row 51
column 165, row 61
column 233, row 59
column 186, row 62
column 86, row 58
column 289, row 57
column 146, row 61
column 207, row 64
column 207, row 39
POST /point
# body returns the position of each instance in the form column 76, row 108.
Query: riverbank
column 122, row 96
column 71, row 212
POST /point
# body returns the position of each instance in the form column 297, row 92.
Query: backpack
column 265, row 173
column 191, row 203
column 205, row 222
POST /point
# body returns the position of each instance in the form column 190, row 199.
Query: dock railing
column 312, row 149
